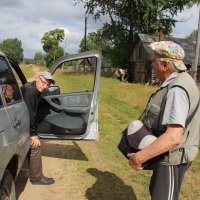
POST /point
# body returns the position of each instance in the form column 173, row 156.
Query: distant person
column 173, row 115
column 32, row 94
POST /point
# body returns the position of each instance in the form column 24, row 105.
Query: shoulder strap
column 192, row 115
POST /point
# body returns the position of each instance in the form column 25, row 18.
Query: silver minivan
column 69, row 113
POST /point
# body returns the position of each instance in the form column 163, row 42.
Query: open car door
column 69, row 110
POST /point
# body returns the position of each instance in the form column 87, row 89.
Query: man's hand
column 134, row 162
column 8, row 92
column 35, row 142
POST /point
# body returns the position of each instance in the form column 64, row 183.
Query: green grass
column 71, row 82
column 119, row 104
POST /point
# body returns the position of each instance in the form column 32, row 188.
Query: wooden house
column 139, row 67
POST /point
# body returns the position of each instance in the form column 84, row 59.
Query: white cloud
column 188, row 22
column 29, row 20
column 11, row 3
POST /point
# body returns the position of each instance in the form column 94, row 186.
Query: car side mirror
column 53, row 90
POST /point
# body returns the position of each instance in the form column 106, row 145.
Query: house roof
column 189, row 46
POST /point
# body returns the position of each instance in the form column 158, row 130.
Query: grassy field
column 120, row 103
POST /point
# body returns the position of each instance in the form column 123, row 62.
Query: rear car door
column 15, row 112
column 6, row 137
column 70, row 111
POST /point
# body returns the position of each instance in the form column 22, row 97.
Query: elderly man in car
column 32, row 95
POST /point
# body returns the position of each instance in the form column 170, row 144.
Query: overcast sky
column 28, row 20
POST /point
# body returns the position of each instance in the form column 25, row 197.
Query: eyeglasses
column 44, row 83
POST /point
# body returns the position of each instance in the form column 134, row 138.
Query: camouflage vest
column 187, row 150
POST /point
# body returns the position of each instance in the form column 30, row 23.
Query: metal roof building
column 140, row 69
column 189, row 46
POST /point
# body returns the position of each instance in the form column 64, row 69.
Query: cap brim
column 52, row 81
column 179, row 65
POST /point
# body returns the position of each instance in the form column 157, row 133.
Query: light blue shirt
column 177, row 104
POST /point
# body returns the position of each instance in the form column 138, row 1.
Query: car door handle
column 56, row 101
column 17, row 123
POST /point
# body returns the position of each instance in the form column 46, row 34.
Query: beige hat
column 47, row 76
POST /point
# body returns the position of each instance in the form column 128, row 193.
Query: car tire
column 7, row 187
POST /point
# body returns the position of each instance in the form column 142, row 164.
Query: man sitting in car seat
column 32, row 95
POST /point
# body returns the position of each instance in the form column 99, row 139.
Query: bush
column 108, row 72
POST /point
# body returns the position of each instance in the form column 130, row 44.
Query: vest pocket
column 152, row 116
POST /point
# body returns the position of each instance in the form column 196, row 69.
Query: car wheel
column 7, row 187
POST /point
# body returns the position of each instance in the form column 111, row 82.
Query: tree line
column 51, row 40
column 127, row 18
column 115, row 39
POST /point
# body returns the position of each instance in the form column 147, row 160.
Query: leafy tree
column 95, row 41
column 91, row 43
column 53, row 55
column 193, row 35
column 52, row 39
column 51, row 42
column 39, row 58
column 98, row 41
column 29, row 61
column 129, row 17
column 13, row 49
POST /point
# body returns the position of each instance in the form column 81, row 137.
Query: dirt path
column 36, row 70
column 79, row 173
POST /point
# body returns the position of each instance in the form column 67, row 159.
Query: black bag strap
column 192, row 115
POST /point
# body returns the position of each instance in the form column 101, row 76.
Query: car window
column 8, row 83
column 1, row 103
column 76, row 76
column 19, row 82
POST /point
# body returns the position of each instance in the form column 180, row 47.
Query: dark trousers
column 166, row 181
column 35, row 163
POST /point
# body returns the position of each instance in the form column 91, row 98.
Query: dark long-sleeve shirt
column 31, row 97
